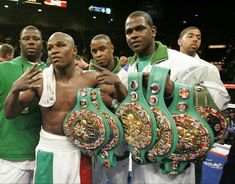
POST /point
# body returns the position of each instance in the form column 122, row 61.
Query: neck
column 149, row 51
column 66, row 73
column 111, row 65
column 192, row 54
column 32, row 60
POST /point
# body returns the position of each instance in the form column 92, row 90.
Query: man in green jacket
column 19, row 136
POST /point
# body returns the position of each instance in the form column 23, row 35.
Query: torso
column 66, row 93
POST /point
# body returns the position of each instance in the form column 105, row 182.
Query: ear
column 112, row 47
column 179, row 42
column 154, row 31
column 75, row 50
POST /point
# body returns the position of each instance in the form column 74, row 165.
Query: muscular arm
column 22, row 92
column 17, row 101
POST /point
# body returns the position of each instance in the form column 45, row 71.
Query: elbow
column 8, row 114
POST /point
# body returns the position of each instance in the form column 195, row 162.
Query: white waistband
column 52, row 142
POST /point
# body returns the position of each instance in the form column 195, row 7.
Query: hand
column 28, row 79
column 169, row 84
column 106, row 99
column 105, row 76
column 169, row 87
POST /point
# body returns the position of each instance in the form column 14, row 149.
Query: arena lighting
column 32, row 1
column 98, row 9
column 58, row 3
column 220, row 46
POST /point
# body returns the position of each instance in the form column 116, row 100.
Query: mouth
column 31, row 49
column 135, row 44
column 194, row 46
column 100, row 62
column 55, row 59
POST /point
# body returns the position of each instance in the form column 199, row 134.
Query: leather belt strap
column 167, row 130
column 137, row 119
column 107, row 156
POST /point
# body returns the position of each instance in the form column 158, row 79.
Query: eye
column 49, row 48
column 128, row 32
column 93, row 51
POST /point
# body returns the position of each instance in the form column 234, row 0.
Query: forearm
column 121, row 90
column 12, row 105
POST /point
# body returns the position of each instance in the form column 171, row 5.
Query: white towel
column 48, row 97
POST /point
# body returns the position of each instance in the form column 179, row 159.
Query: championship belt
column 85, row 127
column 208, row 111
column 137, row 119
column 195, row 136
column 107, row 155
column 166, row 130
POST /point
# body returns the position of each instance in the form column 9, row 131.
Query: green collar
column 116, row 61
column 159, row 55
column 25, row 62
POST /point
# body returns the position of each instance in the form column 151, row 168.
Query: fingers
column 36, row 78
column 146, row 75
column 33, row 68
column 97, row 67
column 33, row 71
column 101, row 80
column 34, row 86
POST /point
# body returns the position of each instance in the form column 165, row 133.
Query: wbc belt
column 195, row 136
column 85, row 127
column 208, row 111
column 137, row 119
column 166, row 130
column 107, row 156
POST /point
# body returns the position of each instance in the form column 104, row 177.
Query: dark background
column 215, row 19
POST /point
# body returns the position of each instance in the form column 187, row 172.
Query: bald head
column 62, row 36
column 61, row 49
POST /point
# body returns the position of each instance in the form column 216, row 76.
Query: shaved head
column 64, row 37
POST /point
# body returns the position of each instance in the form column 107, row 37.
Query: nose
column 98, row 54
column 134, row 35
column 195, row 38
column 31, row 41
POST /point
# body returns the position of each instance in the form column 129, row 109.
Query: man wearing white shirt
column 140, row 35
column 190, row 41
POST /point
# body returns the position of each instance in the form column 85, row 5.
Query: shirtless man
column 54, row 148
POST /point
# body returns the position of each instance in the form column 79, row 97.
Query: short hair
column 6, row 49
column 144, row 14
column 102, row 36
column 184, row 31
column 30, row 27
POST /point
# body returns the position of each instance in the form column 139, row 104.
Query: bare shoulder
column 89, row 74
column 88, row 78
